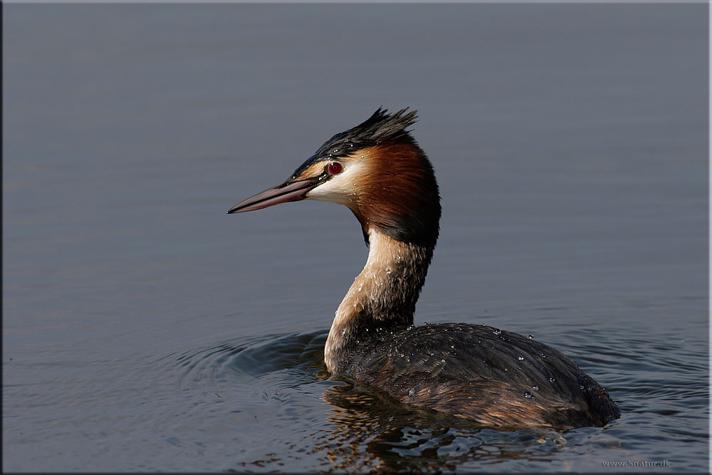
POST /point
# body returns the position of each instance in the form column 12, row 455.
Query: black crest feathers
column 381, row 127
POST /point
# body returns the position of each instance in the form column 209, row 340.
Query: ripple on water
column 262, row 358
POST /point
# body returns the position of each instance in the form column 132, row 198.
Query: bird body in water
column 479, row 373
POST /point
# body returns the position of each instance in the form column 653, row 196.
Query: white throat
column 382, row 295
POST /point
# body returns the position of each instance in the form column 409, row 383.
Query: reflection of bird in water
column 474, row 372
column 372, row 434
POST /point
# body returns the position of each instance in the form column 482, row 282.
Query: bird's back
column 492, row 377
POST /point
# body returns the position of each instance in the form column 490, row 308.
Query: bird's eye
column 334, row 168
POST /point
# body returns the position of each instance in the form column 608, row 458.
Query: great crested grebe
column 479, row 373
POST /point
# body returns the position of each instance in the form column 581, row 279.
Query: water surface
column 146, row 330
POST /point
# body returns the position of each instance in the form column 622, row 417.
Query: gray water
column 144, row 329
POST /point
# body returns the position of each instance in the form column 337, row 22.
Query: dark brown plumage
column 491, row 377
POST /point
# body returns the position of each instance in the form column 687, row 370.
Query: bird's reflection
column 370, row 433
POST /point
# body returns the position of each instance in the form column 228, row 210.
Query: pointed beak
column 284, row 193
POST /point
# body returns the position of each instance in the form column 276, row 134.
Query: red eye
column 334, row 168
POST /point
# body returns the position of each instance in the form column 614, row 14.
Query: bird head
column 377, row 170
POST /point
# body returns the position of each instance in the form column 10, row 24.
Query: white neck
column 383, row 295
